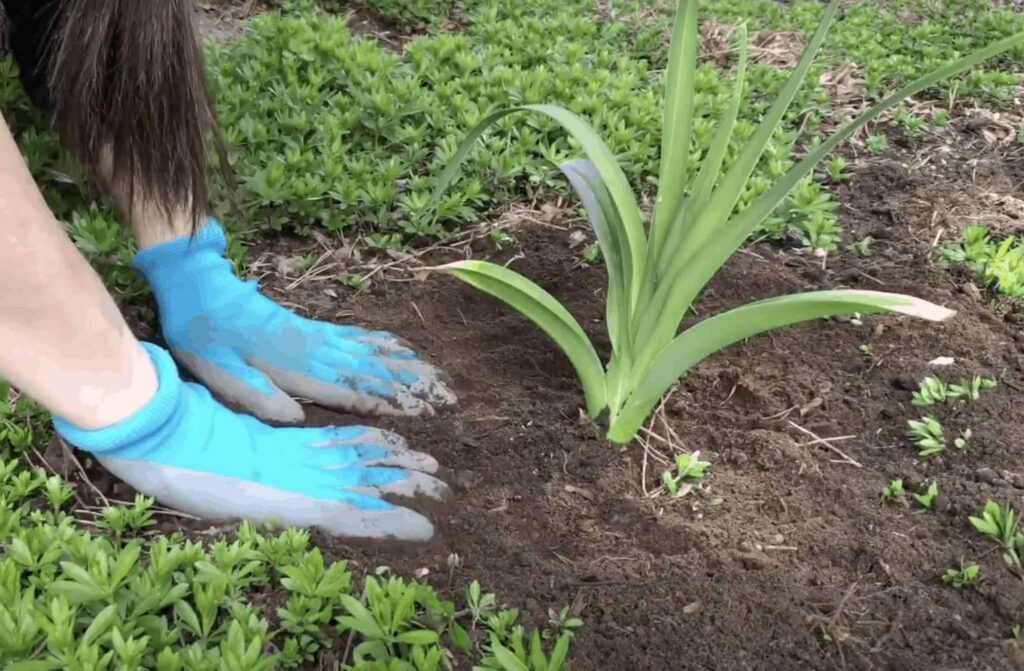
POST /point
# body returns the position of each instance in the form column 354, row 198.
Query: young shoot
column 894, row 491
column 1000, row 525
column 927, row 435
column 963, row 577
column 927, row 499
column 688, row 469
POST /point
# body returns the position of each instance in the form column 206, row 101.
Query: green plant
column 654, row 276
column 971, row 390
column 927, row 435
column 927, row 499
column 997, row 265
column 963, row 441
column 688, row 469
column 893, row 491
column 867, row 349
column 963, row 577
column 836, row 169
column 877, row 144
column 1000, row 524
column 930, row 390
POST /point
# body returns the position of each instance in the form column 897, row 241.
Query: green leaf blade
column 677, row 126
column 723, row 330
column 607, row 224
column 614, row 179
column 540, row 307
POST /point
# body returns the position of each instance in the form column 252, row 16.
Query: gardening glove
column 191, row 453
column 256, row 354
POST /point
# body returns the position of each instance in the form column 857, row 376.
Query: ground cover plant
column 778, row 548
column 655, row 274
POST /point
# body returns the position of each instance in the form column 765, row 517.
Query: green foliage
column 932, row 390
column 893, row 491
column 71, row 599
column 927, row 498
column 963, row 577
column 996, row 265
column 927, row 435
column 1000, row 525
column 688, row 469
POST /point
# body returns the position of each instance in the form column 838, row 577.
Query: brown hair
column 127, row 83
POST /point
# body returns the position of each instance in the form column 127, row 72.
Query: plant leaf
column 604, row 161
column 542, row 309
column 604, row 218
column 720, row 331
column 677, row 126
column 724, row 199
column 673, row 299
column 710, row 169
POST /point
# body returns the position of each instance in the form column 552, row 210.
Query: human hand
column 192, row 454
column 256, row 354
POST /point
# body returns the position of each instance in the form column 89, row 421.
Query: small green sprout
column 592, row 254
column 501, row 238
column 972, row 390
column 862, row 247
column 963, row 441
column 963, row 577
column 894, row 492
column 927, row 499
column 836, row 169
column 867, row 349
column 877, row 144
column 927, row 436
column 689, row 468
column 1000, row 525
column 930, row 390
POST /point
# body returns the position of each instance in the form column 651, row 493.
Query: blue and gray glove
column 193, row 454
column 257, row 355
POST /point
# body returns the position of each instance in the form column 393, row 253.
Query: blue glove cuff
column 138, row 426
column 209, row 245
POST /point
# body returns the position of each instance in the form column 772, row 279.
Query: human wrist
column 103, row 438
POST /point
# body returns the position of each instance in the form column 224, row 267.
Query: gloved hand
column 191, row 453
column 257, row 354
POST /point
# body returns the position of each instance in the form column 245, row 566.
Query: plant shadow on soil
column 788, row 558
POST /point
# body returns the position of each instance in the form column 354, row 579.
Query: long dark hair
column 127, row 77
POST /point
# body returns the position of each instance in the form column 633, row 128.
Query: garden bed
column 786, row 557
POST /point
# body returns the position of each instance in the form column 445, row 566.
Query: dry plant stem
column 62, row 340
column 846, row 459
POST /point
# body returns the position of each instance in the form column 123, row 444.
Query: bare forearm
column 62, row 339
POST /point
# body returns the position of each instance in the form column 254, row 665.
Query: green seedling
column 930, row 390
column 877, row 144
column 927, row 499
column 927, row 435
column 971, row 390
column 1017, row 630
column 688, row 469
column 867, row 349
column 1000, row 525
column 963, row 577
column 501, row 238
column 862, row 247
column 592, row 254
column 837, row 168
column 996, row 265
column 963, row 441
column 894, row 491
column 656, row 271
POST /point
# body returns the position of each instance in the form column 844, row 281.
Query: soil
column 786, row 558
